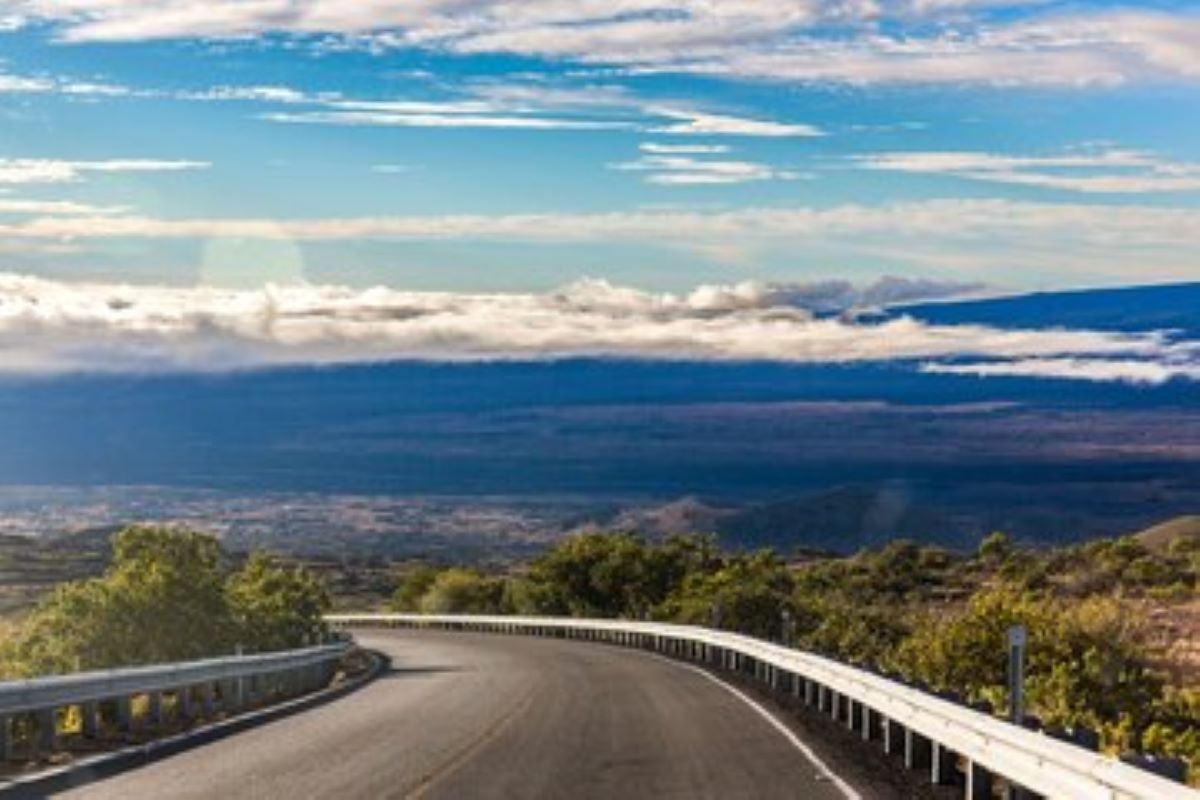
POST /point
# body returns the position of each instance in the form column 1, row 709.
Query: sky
column 455, row 154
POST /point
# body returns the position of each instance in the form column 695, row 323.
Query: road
column 485, row 716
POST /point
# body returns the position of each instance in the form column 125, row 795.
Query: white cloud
column 1112, row 171
column 696, row 123
column 682, row 149
column 51, row 326
column 14, row 205
column 516, row 105
column 1149, row 372
column 18, row 84
column 40, row 84
column 977, row 238
column 844, row 41
column 257, row 93
column 439, row 120
column 945, row 220
column 685, row 170
column 47, row 170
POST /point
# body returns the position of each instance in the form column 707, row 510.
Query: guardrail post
column 6, row 739
column 183, row 700
column 47, row 729
column 208, row 698
column 916, row 749
column 124, row 714
column 979, row 782
column 942, row 765
column 89, row 713
column 155, row 708
column 893, row 736
column 851, row 713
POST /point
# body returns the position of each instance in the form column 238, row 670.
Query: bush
column 413, row 582
column 275, row 607
column 165, row 598
column 462, row 591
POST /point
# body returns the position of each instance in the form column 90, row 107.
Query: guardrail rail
column 958, row 745
column 199, row 688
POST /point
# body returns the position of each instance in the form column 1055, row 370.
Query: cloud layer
column 1135, row 243
column 1049, row 42
column 49, row 327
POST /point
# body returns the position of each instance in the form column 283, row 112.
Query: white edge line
column 846, row 789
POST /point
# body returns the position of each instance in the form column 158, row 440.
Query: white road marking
column 846, row 789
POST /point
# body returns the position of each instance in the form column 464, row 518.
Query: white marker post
column 1017, row 638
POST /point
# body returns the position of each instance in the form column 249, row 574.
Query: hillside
column 1165, row 535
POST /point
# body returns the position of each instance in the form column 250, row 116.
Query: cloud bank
column 50, row 327
column 1135, row 243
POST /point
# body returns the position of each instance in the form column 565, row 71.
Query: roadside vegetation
column 166, row 595
column 1096, row 613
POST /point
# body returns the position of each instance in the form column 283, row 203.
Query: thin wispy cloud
column 1096, row 370
column 1110, row 171
column 50, row 327
column 514, row 105
column 47, row 170
column 16, row 205
column 41, row 84
column 658, row 148
column 696, row 123
column 688, row 170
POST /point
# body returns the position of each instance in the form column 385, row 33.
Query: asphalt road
column 485, row 716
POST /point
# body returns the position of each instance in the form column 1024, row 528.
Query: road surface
column 487, row 716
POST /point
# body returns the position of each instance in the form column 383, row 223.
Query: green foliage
column 162, row 599
column 1085, row 662
column 463, row 591
column 274, row 607
column 995, row 547
column 615, row 575
column 747, row 593
column 1176, row 729
column 412, row 583
column 165, row 598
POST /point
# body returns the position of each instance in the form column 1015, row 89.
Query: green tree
column 274, row 607
column 595, row 575
column 161, row 599
column 413, row 582
column 749, row 594
column 463, row 591
column 165, row 597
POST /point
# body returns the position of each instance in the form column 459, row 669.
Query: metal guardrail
column 955, row 743
column 228, row 682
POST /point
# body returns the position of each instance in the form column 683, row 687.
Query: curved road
column 479, row 716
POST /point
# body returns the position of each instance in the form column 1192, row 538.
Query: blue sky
column 478, row 146
column 231, row 184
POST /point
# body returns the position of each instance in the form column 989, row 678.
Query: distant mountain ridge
column 1133, row 308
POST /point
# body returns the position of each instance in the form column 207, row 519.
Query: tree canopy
column 167, row 596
